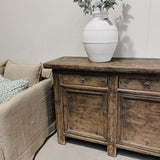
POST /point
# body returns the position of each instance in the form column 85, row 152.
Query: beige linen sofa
column 26, row 120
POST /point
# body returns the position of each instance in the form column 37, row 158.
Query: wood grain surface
column 124, row 65
column 139, row 122
column 115, row 104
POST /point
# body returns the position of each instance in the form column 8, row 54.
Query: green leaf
column 82, row 4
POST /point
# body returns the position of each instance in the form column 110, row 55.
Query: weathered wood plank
column 120, row 65
column 140, row 125
column 59, row 109
column 112, row 115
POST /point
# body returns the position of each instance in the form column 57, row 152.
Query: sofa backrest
column 44, row 73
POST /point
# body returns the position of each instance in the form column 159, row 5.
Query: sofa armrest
column 24, row 118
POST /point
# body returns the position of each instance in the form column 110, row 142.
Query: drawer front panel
column 87, row 80
column 146, row 83
column 139, row 123
column 85, row 114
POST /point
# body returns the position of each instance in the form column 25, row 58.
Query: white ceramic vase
column 100, row 38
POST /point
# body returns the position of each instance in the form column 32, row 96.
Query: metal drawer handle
column 83, row 79
column 146, row 83
column 105, row 113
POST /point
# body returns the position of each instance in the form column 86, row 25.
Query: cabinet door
column 139, row 122
column 85, row 113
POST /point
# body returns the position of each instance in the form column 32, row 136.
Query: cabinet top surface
column 125, row 65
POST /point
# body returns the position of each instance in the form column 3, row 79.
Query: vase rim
column 100, row 14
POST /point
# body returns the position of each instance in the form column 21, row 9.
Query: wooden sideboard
column 115, row 104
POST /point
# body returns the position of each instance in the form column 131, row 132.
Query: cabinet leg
column 59, row 110
column 112, row 150
column 61, row 139
column 112, row 115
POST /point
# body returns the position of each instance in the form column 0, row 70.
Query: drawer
column 138, row 82
column 87, row 80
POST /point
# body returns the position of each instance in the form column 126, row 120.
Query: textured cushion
column 2, row 65
column 9, row 88
column 18, row 71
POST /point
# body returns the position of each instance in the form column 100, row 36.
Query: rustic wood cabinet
column 115, row 104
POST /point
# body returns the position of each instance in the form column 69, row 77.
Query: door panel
column 139, row 121
column 85, row 113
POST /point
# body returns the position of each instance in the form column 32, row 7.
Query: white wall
column 33, row 31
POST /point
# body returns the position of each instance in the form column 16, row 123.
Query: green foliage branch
column 90, row 5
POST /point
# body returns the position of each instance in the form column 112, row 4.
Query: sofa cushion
column 2, row 66
column 15, row 71
column 9, row 88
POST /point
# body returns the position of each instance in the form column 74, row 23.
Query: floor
column 80, row 150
